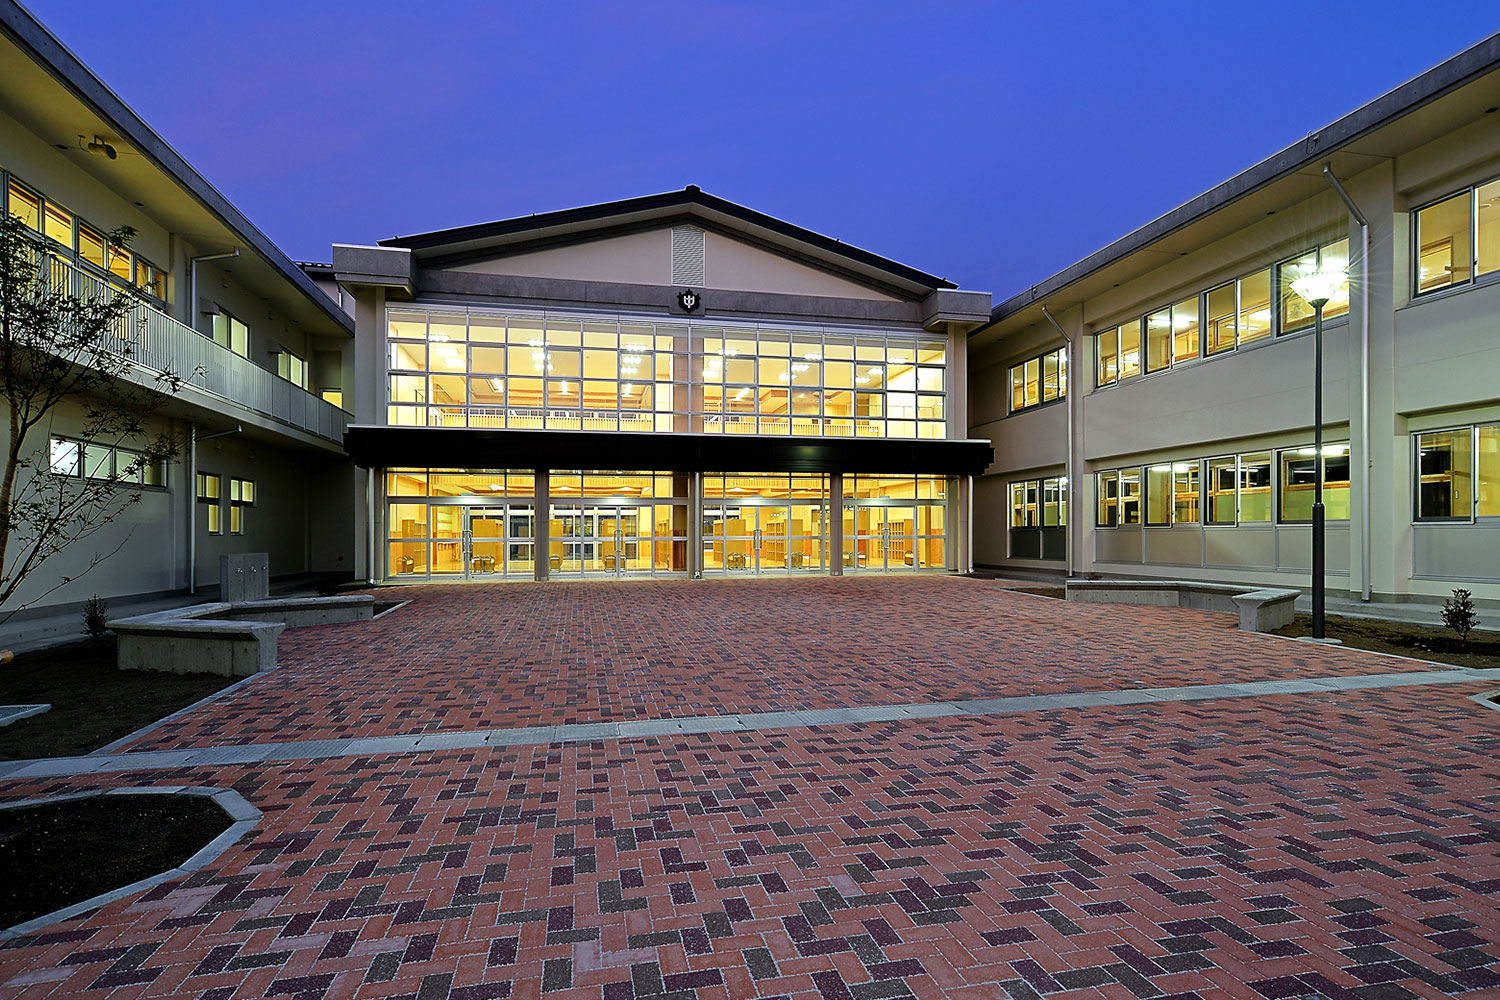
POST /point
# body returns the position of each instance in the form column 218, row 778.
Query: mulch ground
column 92, row 702
column 62, row 853
column 1405, row 639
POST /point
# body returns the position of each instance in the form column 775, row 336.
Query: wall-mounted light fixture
column 101, row 148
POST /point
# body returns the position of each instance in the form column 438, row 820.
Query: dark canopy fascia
column 474, row 448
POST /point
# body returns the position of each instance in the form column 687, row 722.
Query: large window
column 1457, row 239
column 1039, row 518
column 1457, row 474
column 1233, row 489
column 1039, row 380
column 1237, row 489
column 1218, row 320
column 481, row 370
column 1298, row 486
column 72, row 457
column 71, row 238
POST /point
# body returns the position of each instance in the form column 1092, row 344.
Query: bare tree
column 67, row 340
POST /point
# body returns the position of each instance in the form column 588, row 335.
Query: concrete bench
column 230, row 639
column 1260, row 609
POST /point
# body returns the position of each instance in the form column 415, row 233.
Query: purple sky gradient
column 991, row 143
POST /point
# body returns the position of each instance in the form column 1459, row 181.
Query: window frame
column 1475, row 279
column 215, row 504
column 1278, row 513
column 1273, row 333
column 114, row 476
column 238, row 503
column 1060, row 356
column 1473, row 516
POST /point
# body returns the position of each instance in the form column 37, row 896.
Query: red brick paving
column 511, row 655
column 1343, row 846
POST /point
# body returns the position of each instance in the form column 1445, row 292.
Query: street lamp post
column 1316, row 287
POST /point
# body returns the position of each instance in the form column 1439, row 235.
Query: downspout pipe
column 1068, row 401
column 1364, row 378
column 193, row 283
column 192, row 494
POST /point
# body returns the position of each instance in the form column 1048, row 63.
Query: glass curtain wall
column 555, row 373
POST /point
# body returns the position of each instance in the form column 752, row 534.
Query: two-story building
column 672, row 385
column 264, row 353
column 1152, row 405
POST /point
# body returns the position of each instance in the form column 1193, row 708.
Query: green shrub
column 96, row 618
column 1458, row 614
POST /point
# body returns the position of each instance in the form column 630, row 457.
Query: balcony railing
column 159, row 343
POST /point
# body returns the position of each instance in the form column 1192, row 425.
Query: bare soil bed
column 93, row 703
column 1405, row 639
column 61, row 853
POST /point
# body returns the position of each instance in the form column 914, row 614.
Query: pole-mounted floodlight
column 1316, row 287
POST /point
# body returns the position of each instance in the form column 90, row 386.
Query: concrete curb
column 592, row 732
column 21, row 712
column 243, row 815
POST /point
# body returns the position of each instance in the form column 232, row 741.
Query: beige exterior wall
column 646, row 259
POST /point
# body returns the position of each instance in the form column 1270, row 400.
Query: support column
column 695, row 526
column 543, row 540
column 836, row 524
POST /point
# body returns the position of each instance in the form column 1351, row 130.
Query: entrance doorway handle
column 757, row 538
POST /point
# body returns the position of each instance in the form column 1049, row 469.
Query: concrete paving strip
column 589, row 732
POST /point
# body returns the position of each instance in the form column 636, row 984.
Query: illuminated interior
column 483, row 523
column 566, row 374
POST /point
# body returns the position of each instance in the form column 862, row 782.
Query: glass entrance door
column 887, row 537
column 617, row 539
column 762, row 538
column 462, row 541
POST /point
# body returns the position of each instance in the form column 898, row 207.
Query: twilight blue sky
column 991, row 143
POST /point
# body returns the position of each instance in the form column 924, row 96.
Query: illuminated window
column 25, row 206
column 231, row 333
column 292, row 368
column 241, row 496
column 1108, row 514
column 209, row 496
column 1445, row 253
column 150, row 279
column 1297, row 482
column 1445, row 475
column 558, row 373
column 1457, row 474
column 1039, row 380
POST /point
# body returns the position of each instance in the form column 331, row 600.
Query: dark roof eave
column 656, row 202
column 1478, row 59
column 377, row 446
column 49, row 51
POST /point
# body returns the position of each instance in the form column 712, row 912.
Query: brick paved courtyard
column 1334, row 845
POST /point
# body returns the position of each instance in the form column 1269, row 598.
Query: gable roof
column 690, row 205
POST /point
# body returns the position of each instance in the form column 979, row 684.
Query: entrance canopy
column 469, row 447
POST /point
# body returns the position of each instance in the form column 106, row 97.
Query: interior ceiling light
column 101, row 148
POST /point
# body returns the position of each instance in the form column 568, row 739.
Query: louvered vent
column 687, row 256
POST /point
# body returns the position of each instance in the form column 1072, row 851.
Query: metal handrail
column 158, row 343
